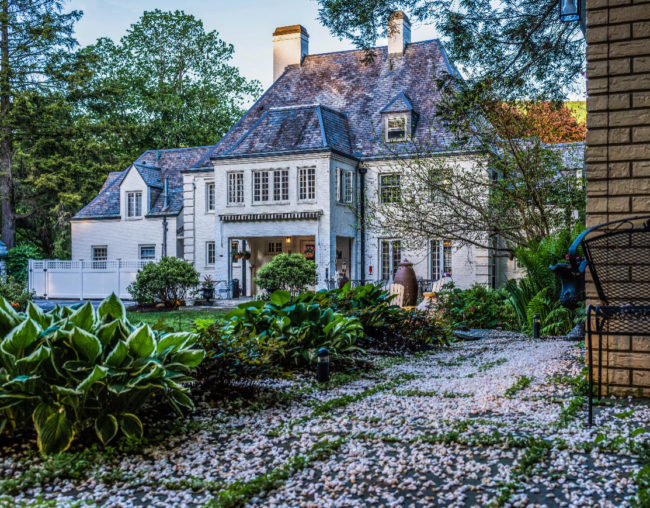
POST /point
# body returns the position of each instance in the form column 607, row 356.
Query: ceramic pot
column 405, row 276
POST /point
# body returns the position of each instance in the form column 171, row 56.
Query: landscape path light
column 536, row 325
column 323, row 366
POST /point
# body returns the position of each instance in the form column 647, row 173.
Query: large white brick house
column 292, row 175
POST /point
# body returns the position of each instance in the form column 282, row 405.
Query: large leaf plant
column 76, row 369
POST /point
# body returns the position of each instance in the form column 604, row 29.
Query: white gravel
column 389, row 457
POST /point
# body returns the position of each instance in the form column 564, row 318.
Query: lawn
column 179, row 320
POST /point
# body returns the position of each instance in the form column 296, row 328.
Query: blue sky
column 248, row 24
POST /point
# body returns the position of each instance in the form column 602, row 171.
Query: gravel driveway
column 492, row 422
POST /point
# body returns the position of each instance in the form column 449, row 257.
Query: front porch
column 247, row 254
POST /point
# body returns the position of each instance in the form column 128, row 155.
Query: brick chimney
column 399, row 33
column 290, row 45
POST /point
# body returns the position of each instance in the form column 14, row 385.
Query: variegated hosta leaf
column 131, row 425
column 141, row 342
column 97, row 374
column 106, row 428
column 174, row 341
column 111, row 308
column 117, row 356
column 20, row 338
column 84, row 317
column 55, row 433
column 86, row 343
column 190, row 357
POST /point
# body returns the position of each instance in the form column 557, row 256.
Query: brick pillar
column 618, row 151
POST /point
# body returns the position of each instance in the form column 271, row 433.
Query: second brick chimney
column 290, row 45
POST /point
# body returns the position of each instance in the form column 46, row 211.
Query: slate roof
column 400, row 103
column 153, row 166
column 295, row 128
column 357, row 85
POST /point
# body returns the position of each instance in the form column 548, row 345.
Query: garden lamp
column 323, row 366
column 536, row 325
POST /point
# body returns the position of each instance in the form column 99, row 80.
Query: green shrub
column 15, row 292
column 18, row 261
column 299, row 328
column 75, row 369
column 478, row 307
column 289, row 272
column 167, row 281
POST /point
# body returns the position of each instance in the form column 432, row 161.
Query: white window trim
column 146, row 245
column 207, row 250
column 126, row 210
column 340, row 197
column 271, row 181
column 441, row 257
column 379, row 186
column 306, row 169
column 208, row 184
column 391, row 262
column 243, row 189
column 407, row 126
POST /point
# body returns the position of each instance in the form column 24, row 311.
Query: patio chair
column 618, row 256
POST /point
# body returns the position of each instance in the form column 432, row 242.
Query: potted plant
column 236, row 255
column 309, row 252
column 207, row 288
column 245, row 254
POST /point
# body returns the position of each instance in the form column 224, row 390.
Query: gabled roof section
column 357, row 84
column 154, row 166
column 399, row 104
column 295, row 128
column 151, row 175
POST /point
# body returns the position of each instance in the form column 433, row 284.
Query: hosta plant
column 75, row 370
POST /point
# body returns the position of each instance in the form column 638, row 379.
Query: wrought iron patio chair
column 618, row 256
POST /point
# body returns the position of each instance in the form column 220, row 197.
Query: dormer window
column 396, row 127
column 399, row 119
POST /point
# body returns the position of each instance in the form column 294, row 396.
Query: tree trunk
column 6, row 180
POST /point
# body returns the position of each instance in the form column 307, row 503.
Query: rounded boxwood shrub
column 167, row 281
column 289, row 272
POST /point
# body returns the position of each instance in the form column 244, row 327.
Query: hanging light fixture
column 570, row 10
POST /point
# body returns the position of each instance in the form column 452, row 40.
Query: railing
column 424, row 285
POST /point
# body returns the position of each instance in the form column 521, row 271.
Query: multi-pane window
column 235, row 188
column 281, row 185
column 99, row 256
column 274, row 248
column 441, row 252
column 209, row 197
column 396, row 128
column 210, row 253
column 264, row 181
column 306, row 183
column 389, row 188
column 344, row 186
column 391, row 255
column 147, row 252
column 261, row 185
column 134, row 204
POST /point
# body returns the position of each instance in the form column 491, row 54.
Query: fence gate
column 82, row 279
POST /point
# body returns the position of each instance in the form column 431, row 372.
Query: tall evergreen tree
column 34, row 39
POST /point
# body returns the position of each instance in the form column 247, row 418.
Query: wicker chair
column 618, row 256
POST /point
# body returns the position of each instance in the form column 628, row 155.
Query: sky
column 247, row 24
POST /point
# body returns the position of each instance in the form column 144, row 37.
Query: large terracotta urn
column 405, row 276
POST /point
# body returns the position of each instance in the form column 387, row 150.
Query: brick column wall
column 618, row 151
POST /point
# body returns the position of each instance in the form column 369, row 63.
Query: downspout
column 164, row 223
column 362, row 220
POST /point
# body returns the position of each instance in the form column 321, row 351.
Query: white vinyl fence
column 82, row 279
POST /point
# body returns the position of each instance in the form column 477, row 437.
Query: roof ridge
column 373, row 48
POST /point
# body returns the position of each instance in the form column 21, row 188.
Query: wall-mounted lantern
column 569, row 10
